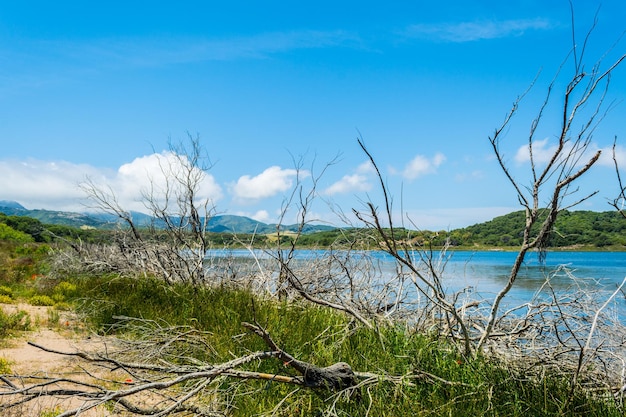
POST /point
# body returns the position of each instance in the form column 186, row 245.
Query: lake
column 484, row 273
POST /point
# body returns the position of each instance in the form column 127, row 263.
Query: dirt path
column 65, row 334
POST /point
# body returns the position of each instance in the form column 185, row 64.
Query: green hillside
column 572, row 228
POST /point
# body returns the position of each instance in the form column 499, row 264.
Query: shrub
column 58, row 298
column 6, row 291
column 8, row 233
column 51, row 412
column 62, row 306
column 5, row 366
column 5, row 299
column 65, row 289
column 41, row 300
column 15, row 321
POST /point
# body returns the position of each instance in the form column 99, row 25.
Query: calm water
column 486, row 272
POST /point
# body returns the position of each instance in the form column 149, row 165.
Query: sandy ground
column 66, row 335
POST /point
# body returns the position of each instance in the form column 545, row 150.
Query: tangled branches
column 160, row 373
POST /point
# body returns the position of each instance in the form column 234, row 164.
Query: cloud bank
column 56, row 185
column 43, row 184
column 153, row 175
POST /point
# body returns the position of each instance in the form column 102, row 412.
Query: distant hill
column 65, row 218
column 217, row 224
column 581, row 227
column 11, row 205
column 238, row 224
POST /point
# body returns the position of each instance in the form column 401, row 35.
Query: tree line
column 572, row 228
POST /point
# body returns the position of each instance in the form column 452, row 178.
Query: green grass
column 462, row 387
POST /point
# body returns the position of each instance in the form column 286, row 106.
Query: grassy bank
column 442, row 381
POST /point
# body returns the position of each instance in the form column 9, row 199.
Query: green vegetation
column 444, row 382
column 33, row 230
column 23, row 268
column 5, row 366
column 9, row 234
column 41, row 300
column 572, row 228
column 591, row 229
column 18, row 321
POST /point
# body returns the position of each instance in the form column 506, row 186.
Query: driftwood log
column 336, row 377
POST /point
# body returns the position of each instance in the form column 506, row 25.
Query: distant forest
column 592, row 229
column 572, row 229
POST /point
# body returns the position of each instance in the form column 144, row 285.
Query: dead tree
column 551, row 189
column 336, row 377
column 425, row 267
column 175, row 244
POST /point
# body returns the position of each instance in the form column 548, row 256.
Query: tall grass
column 439, row 380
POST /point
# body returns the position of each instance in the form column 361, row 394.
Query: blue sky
column 98, row 90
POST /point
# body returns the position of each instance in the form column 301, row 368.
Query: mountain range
column 599, row 229
column 220, row 223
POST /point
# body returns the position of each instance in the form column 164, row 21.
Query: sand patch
column 65, row 334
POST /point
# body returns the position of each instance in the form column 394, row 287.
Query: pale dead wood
column 160, row 387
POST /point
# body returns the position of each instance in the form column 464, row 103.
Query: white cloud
column 55, row 185
column 261, row 216
column 153, row 174
column 606, row 158
column 366, row 168
column 270, row 182
column 477, row 30
column 348, row 184
column 542, row 152
column 421, row 165
column 357, row 182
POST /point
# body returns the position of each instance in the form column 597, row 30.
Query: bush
column 15, row 321
column 65, row 290
column 6, row 291
column 41, row 300
column 62, row 306
column 5, row 366
column 8, row 233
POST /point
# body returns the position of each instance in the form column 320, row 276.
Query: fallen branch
column 337, row 376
